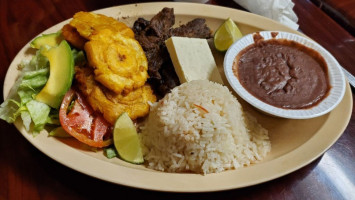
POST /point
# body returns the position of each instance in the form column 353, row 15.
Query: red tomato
column 82, row 122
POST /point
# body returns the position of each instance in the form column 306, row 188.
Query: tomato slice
column 82, row 122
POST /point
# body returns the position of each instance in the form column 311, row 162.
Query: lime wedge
column 226, row 35
column 126, row 140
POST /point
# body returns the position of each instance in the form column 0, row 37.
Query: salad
column 46, row 95
column 21, row 101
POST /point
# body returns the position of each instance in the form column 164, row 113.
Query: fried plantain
column 71, row 35
column 120, row 63
column 87, row 23
column 110, row 104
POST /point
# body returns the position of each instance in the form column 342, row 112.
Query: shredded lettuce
column 79, row 57
column 26, row 119
column 39, row 113
column 21, row 101
column 110, row 152
column 59, row 132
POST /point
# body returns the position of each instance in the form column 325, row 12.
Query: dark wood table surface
column 26, row 173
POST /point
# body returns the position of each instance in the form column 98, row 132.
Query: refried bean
column 282, row 73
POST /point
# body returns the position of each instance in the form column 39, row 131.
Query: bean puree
column 282, row 73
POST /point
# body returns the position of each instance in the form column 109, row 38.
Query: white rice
column 200, row 127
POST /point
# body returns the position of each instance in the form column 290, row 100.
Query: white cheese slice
column 192, row 59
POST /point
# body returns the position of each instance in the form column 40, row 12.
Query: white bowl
column 335, row 74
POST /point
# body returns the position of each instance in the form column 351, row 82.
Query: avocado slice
column 52, row 40
column 61, row 72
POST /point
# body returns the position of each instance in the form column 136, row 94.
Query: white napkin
column 278, row 10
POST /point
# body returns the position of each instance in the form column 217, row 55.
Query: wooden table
column 26, row 173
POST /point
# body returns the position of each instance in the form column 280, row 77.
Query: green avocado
column 61, row 72
column 51, row 40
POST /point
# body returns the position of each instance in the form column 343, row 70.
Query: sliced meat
column 162, row 22
column 139, row 25
column 196, row 28
column 152, row 35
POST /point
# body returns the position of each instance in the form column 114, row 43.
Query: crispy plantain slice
column 120, row 63
column 87, row 23
column 73, row 37
column 112, row 105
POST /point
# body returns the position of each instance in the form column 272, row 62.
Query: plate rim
column 135, row 181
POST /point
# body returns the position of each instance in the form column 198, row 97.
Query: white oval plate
column 295, row 143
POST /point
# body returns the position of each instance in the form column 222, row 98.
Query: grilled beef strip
column 152, row 35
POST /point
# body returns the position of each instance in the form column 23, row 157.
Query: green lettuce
column 20, row 101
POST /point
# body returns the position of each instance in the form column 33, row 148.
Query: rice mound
column 200, row 127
